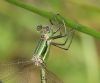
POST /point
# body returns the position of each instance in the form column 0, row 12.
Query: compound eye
column 47, row 28
column 39, row 27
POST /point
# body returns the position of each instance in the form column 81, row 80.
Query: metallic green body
column 42, row 50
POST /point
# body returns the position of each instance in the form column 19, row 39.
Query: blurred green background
column 18, row 37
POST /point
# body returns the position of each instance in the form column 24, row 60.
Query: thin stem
column 49, row 15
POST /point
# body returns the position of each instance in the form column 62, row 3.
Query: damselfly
column 25, row 69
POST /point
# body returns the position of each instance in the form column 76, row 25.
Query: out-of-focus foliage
column 18, row 38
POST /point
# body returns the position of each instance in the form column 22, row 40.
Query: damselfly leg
column 68, row 33
column 56, row 23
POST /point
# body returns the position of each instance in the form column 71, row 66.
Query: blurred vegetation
column 18, row 38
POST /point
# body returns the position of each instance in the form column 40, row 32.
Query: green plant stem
column 49, row 15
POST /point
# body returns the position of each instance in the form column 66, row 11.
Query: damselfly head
column 45, row 29
column 39, row 27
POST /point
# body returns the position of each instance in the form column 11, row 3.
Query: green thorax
column 42, row 48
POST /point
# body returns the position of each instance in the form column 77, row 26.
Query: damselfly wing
column 25, row 72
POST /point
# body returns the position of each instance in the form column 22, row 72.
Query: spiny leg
column 60, row 45
column 60, row 35
column 57, row 30
column 58, row 23
column 66, row 34
column 67, row 37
